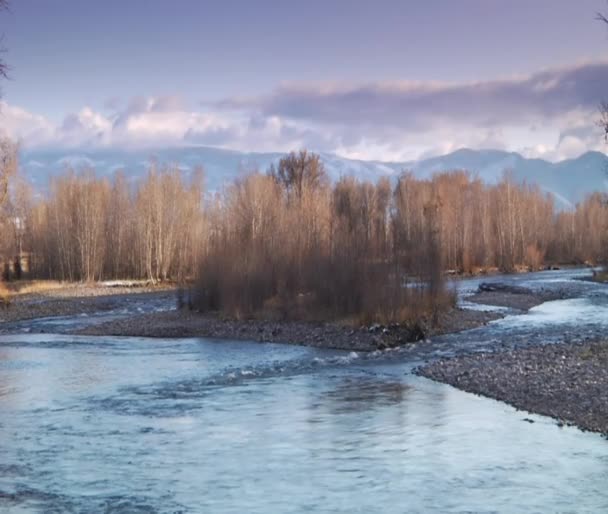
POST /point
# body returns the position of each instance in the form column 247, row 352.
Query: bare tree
column 8, row 166
column 337, row 251
column 3, row 66
column 8, row 151
column 8, row 170
column 603, row 121
column 299, row 171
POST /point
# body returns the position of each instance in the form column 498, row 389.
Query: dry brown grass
column 21, row 287
column 42, row 287
column 5, row 296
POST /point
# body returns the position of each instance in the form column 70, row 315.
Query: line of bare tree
column 91, row 228
column 291, row 243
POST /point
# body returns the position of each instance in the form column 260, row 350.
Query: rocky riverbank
column 568, row 381
column 80, row 299
column 514, row 297
column 327, row 335
column 75, row 299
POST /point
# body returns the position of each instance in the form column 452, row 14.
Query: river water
column 106, row 424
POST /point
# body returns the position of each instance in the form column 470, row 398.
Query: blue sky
column 384, row 79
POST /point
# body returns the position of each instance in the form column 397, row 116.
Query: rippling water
column 138, row 425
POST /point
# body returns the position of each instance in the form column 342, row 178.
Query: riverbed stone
column 565, row 381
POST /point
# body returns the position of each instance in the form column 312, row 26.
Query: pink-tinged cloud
column 544, row 96
column 550, row 114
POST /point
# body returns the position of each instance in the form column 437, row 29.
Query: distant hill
column 569, row 181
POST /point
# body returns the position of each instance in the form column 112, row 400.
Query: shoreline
column 90, row 299
column 513, row 297
column 76, row 299
column 179, row 324
column 183, row 323
column 567, row 382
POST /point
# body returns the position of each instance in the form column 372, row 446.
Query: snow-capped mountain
column 569, row 181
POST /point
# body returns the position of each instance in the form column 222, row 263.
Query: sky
column 382, row 80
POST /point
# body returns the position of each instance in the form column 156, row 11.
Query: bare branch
column 8, row 166
column 601, row 17
column 4, row 68
column 603, row 121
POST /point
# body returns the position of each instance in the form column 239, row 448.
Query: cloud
column 161, row 122
column 422, row 105
column 210, row 136
column 550, row 114
column 85, row 127
column 24, row 125
column 141, row 106
column 402, row 118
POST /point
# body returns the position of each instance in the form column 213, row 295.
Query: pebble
column 565, row 381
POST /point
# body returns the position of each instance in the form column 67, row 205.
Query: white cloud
column 23, row 125
column 551, row 114
column 410, row 105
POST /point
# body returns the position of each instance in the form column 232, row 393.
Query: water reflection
column 358, row 394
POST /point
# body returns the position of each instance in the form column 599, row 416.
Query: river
column 107, row 424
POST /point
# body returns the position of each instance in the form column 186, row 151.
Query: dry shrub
column 293, row 235
column 534, row 257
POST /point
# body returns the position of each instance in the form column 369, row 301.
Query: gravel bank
column 79, row 299
column 512, row 297
column 76, row 299
column 568, row 382
column 326, row 335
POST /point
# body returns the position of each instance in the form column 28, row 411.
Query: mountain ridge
column 569, row 180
